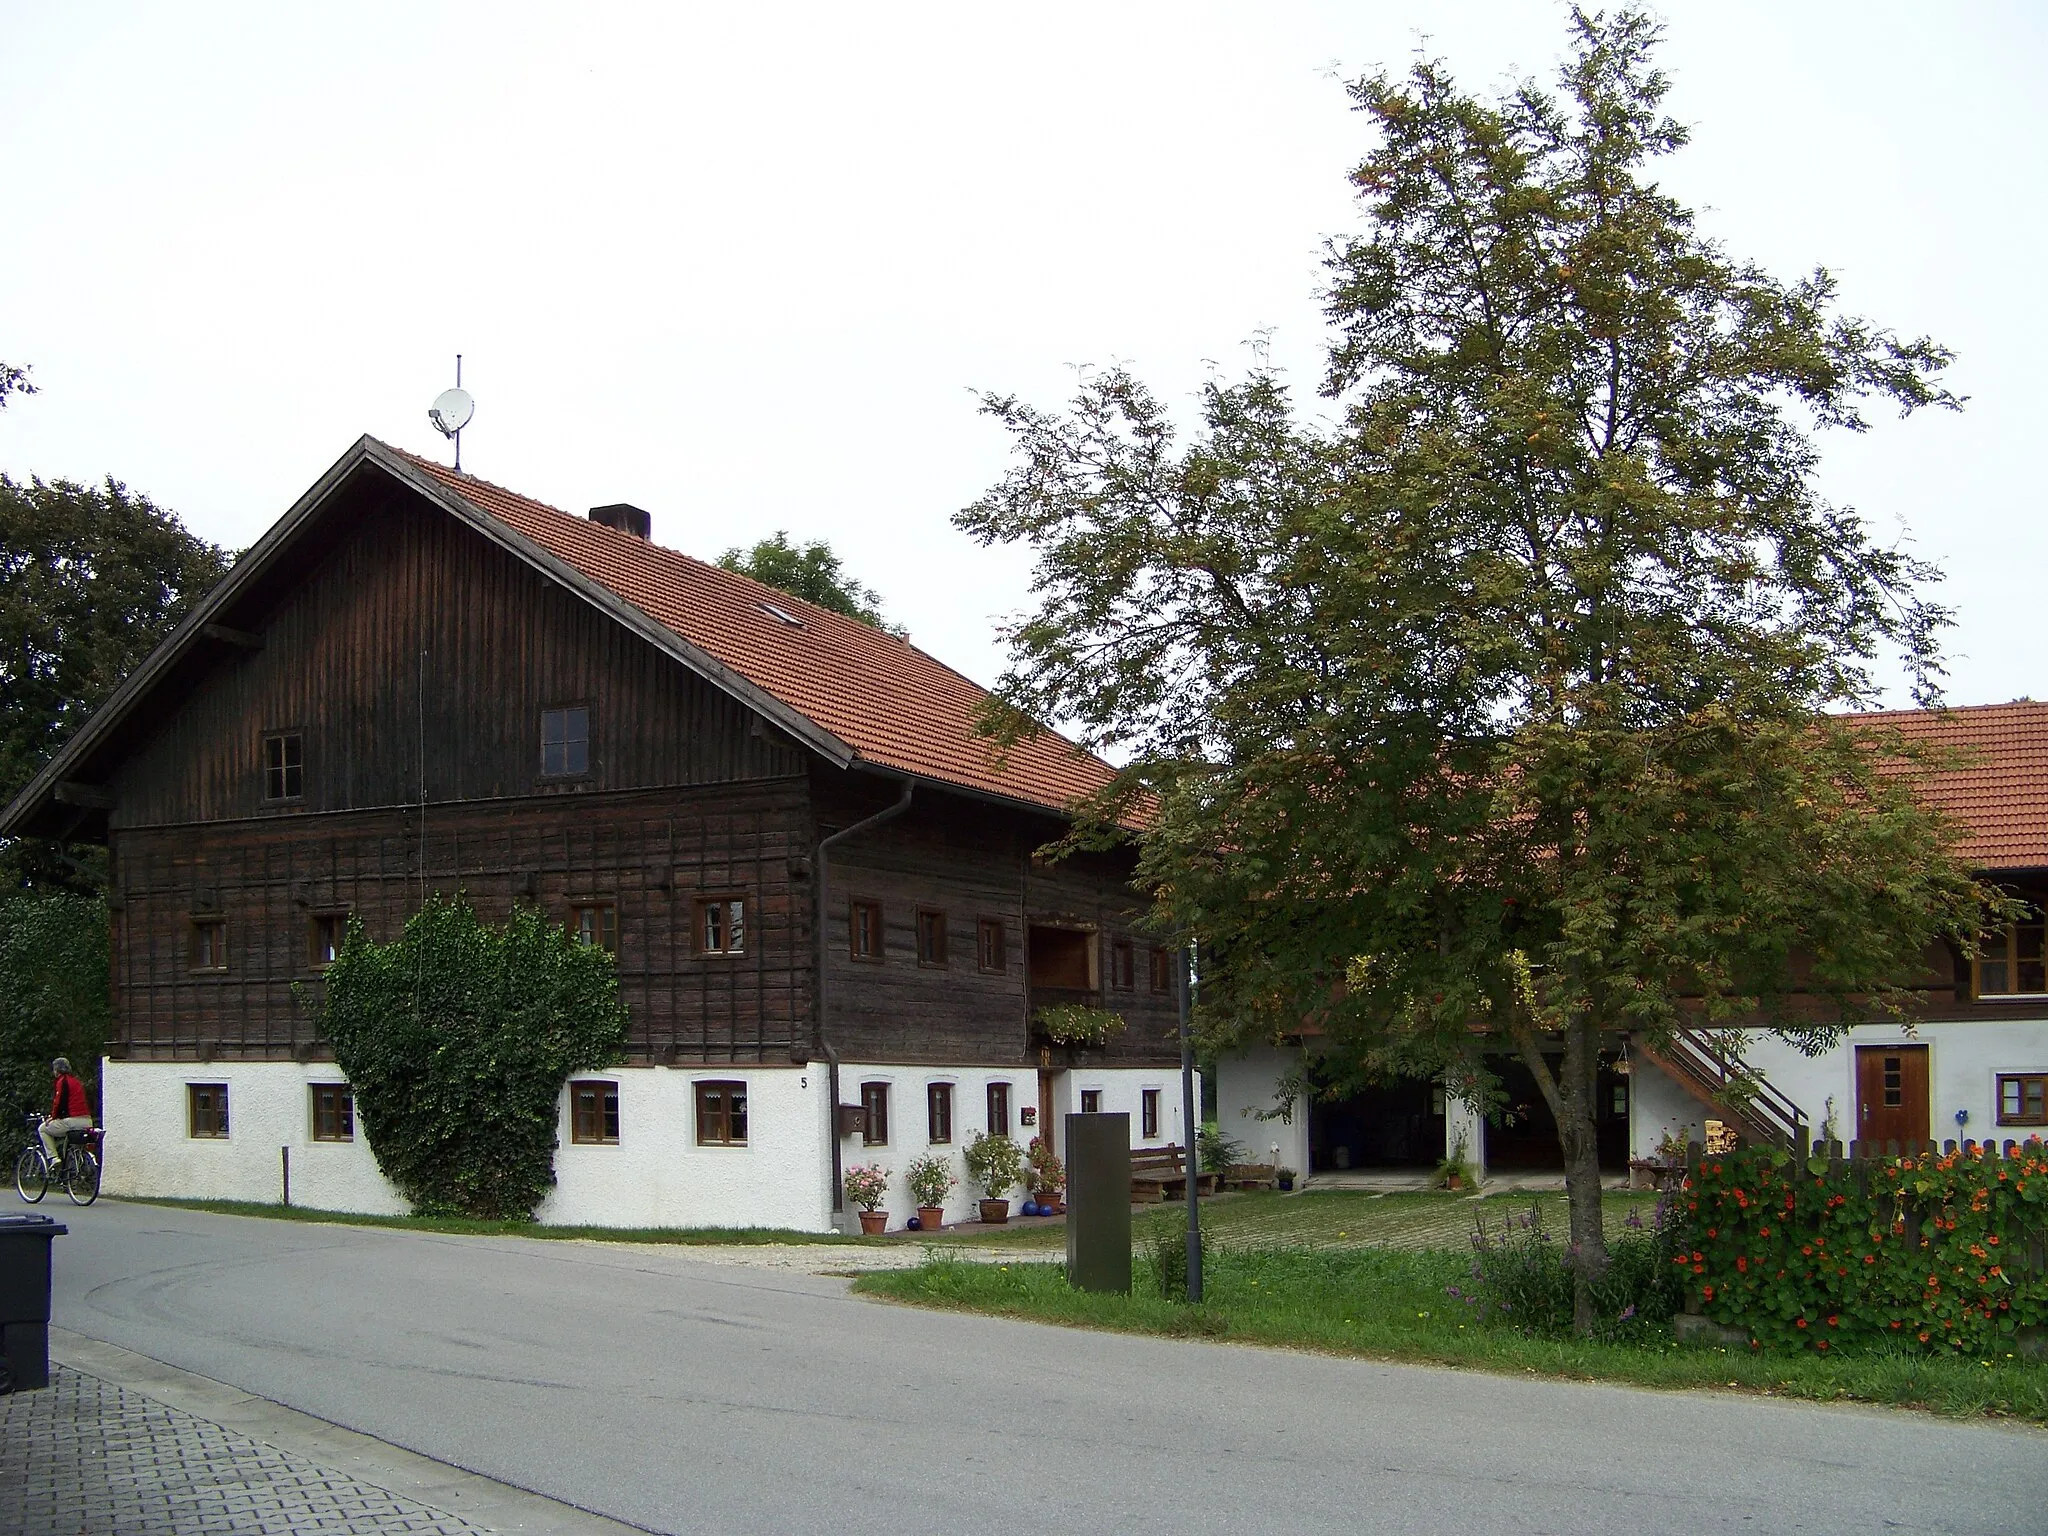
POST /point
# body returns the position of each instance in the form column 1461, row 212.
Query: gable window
column 865, row 923
column 2010, row 961
column 595, row 923
column 209, row 944
column 1123, row 966
column 931, row 937
column 991, row 953
column 594, row 1114
column 206, row 1110
column 938, row 1113
column 722, row 925
column 999, row 1109
column 1091, row 1101
column 874, row 1098
column 721, row 1114
column 1162, row 970
column 565, row 741
column 1148, row 1113
column 284, row 766
column 326, row 932
column 334, row 1112
column 2023, row 1098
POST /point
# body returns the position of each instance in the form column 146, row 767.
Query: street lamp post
column 1187, row 1119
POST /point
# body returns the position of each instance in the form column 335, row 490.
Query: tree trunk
column 1578, row 1082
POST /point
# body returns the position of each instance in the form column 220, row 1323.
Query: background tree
column 809, row 571
column 1502, row 699
column 91, row 578
column 53, row 995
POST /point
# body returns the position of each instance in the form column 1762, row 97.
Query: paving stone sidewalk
column 86, row 1456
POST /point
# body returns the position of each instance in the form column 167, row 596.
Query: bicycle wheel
column 31, row 1175
column 82, row 1176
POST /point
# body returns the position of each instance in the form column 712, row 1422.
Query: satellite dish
column 451, row 411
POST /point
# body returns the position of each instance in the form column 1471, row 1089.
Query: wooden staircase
column 1694, row 1060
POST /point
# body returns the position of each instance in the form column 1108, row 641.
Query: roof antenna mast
column 451, row 411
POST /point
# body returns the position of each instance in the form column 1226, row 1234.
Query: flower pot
column 1048, row 1201
column 931, row 1217
column 995, row 1212
column 874, row 1223
column 1286, row 1186
column 1452, row 1181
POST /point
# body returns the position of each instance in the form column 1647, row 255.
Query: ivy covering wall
column 457, row 1039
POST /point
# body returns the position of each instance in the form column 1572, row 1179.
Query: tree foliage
column 457, row 1038
column 809, row 571
column 91, row 579
column 1502, row 698
column 53, row 995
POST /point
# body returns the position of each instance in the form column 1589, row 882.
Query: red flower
column 1800, row 1324
column 1834, row 1321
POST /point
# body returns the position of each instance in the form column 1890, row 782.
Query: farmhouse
column 832, row 929
column 1972, row 1064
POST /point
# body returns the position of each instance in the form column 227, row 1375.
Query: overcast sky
column 746, row 265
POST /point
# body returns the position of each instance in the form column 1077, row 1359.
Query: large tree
column 91, row 578
column 809, row 571
column 1495, row 712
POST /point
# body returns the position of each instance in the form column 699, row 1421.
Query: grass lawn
column 466, row 1226
column 1388, row 1303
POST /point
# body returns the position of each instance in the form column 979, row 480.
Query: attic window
column 783, row 614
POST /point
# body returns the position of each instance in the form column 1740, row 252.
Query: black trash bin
column 25, row 1300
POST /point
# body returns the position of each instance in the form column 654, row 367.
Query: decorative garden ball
column 1031, row 1208
column 913, row 1225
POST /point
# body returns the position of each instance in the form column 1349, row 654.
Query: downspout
column 823, row 1042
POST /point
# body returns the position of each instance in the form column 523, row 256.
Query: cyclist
column 70, row 1109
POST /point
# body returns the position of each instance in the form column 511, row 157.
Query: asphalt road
column 684, row 1396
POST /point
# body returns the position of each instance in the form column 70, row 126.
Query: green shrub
column 995, row 1163
column 1217, row 1151
column 1521, row 1277
column 457, row 1039
column 1163, row 1239
column 53, row 998
column 1934, row 1252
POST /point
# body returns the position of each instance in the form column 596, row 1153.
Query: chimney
column 625, row 517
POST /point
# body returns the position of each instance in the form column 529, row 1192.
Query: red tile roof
column 2001, row 797
column 894, row 705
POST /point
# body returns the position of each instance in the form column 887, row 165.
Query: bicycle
column 77, row 1167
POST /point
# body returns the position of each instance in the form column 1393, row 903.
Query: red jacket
column 68, row 1100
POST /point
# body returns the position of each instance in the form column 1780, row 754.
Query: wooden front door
column 1891, row 1093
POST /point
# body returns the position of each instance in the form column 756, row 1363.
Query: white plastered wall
column 1963, row 1064
column 909, row 1122
column 1247, row 1086
column 150, row 1149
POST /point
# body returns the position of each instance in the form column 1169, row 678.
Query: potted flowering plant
column 994, row 1163
column 865, row 1187
column 1284, row 1177
column 1048, row 1175
column 928, row 1179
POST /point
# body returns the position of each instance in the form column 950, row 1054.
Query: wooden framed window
column 2011, row 962
column 1148, row 1113
column 874, row 1098
column 721, row 927
column 565, row 741
column 2023, row 1098
column 594, row 1114
column 991, row 951
column 1162, row 970
column 1123, row 965
column 595, row 923
column 938, row 1113
column 864, row 922
column 999, row 1109
column 334, row 1112
column 209, row 944
column 284, row 766
column 1091, row 1101
column 326, row 932
column 206, row 1111
column 931, row 937
column 721, row 1114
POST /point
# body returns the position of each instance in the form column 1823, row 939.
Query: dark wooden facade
column 413, row 658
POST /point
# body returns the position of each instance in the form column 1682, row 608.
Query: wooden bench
column 1160, row 1173
column 1250, row 1176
